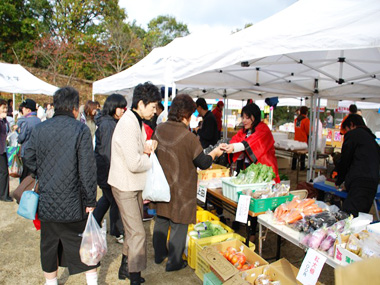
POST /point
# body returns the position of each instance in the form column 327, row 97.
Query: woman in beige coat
column 179, row 153
column 127, row 176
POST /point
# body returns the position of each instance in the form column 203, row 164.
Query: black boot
column 136, row 278
column 123, row 270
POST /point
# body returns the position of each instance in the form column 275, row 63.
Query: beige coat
column 129, row 164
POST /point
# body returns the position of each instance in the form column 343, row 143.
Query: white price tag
column 201, row 194
column 242, row 209
column 311, row 267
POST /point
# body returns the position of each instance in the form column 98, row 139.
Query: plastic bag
column 156, row 187
column 15, row 168
column 94, row 245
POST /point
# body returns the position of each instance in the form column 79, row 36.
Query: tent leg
column 13, row 106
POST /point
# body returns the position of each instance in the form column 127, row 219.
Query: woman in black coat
column 113, row 110
column 359, row 165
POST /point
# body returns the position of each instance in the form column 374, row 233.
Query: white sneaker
column 120, row 239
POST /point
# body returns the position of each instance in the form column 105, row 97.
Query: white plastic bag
column 94, row 243
column 156, row 187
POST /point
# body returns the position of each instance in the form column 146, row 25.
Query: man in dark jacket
column 208, row 132
column 60, row 153
column 359, row 165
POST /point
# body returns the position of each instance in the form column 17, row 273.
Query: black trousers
column 107, row 201
column 4, row 177
column 25, row 170
column 177, row 242
column 361, row 194
column 294, row 162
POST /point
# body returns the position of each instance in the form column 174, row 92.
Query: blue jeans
column 104, row 203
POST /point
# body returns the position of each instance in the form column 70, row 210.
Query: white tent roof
column 323, row 45
column 16, row 79
column 328, row 46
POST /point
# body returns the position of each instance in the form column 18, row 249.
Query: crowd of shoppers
column 73, row 151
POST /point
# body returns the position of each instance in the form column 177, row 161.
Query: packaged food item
column 316, row 238
column 354, row 245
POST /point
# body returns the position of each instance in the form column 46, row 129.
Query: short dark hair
column 112, row 102
column 353, row 109
column 353, row 120
column 66, row 99
column 183, row 106
column 252, row 110
column 201, row 102
column 160, row 106
column 304, row 110
column 146, row 92
column 3, row 102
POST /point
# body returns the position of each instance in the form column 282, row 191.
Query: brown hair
column 89, row 108
column 183, row 106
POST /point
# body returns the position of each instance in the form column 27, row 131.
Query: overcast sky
column 201, row 15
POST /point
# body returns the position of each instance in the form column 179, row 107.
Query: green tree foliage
column 162, row 30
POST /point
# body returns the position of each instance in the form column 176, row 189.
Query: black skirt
column 60, row 244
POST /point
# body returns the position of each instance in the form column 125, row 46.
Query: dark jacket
column 25, row 127
column 103, row 136
column 208, row 133
column 3, row 134
column 60, row 152
column 360, row 157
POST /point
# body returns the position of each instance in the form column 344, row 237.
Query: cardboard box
column 215, row 171
column 281, row 270
column 345, row 256
column 219, row 265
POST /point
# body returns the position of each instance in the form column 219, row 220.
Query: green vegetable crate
column 230, row 189
column 262, row 205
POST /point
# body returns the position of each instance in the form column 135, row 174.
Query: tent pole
column 93, row 98
column 13, row 106
column 166, row 98
column 316, row 123
column 225, row 114
column 309, row 148
column 174, row 90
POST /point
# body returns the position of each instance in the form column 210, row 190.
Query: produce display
column 264, row 279
column 206, row 229
column 277, row 190
column 238, row 259
column 255, row 173
column 364, row 244
column 295, row 210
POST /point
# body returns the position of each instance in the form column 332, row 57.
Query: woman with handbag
column 113, row 110
column 4, row 176
column 179, row 153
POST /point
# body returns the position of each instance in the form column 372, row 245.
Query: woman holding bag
column 4, row 176
column 129, row 165
column 179, row 153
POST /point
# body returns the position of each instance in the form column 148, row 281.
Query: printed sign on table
column 202, row 193
column 243, row 209
column 311, row 267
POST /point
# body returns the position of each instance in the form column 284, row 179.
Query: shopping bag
column 94, row 244
column 28, row 205
column 28, row 183
column 156, row 187
column 15, row 168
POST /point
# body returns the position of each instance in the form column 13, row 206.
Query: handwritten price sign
column 242, row 209
column 311, row 267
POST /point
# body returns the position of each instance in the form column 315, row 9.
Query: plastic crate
column 203, row 216
column 262, row 205
column 211, row 279
column 191, row 249
column 230, row 189
column 201, row 267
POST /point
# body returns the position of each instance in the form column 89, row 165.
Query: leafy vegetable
column 207, row 229
column 255, row 173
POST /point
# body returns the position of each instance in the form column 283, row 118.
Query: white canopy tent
column 16, row 79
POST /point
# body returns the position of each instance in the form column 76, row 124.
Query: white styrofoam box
column 278, row 136
column 374, row 228
column 345, row 256
column 230, row 189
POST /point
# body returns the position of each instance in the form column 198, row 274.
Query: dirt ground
column 20, row 256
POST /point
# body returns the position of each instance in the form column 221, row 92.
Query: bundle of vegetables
column 206, row 229
column 324, row 238
column 255, row 173
column 238, row 259
column 277, row 191
column 295, row 210
column 314, row 222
